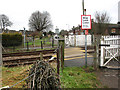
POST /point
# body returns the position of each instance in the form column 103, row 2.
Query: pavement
column 75, row 57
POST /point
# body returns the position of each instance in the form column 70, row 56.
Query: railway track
column 28, row 53
column 23, row 58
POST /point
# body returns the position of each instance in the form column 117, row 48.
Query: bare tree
column 40, row 21
column 4, row 22
column 101, row 22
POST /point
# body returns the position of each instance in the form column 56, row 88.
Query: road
column 75, row 57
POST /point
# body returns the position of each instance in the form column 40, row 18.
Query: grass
column 76, row 77
column 72, row 77
column 37, row 42
column 12, row 75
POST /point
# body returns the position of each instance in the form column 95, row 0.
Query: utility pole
column 83, row 6
column 84, row 13
column 85, row 45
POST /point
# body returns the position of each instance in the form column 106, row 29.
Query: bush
column 11, row 39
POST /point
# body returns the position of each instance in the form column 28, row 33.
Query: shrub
column 11, row 39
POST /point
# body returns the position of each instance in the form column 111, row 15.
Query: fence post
column 62, row 62
column 0, row 57
column 58, row 63
column 41, row 45
column 52, row 43
column 74, row 39
column 95, row 66
column 41, row 56
column 102, row 53
column 27, row 46
column 61, row 45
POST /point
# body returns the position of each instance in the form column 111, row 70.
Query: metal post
column 24, row 37
column 27, row 46
column 83, row 6
column 41, row 45
column 85, row 50
column 85, row 44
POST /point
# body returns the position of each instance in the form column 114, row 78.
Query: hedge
column 11, row 39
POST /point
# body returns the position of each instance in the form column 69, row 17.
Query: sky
column 64, row 13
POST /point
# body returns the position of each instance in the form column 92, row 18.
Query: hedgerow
column 11, row 39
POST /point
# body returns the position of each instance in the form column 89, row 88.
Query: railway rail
column 28, row 53
column 23, row 58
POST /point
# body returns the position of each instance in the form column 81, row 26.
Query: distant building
column 76, row 31
column 114, row 29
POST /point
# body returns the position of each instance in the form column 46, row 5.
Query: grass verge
column 77, row 77
column 72, row 77
column 12, row 75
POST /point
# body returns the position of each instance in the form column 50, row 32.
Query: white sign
column 85, row 22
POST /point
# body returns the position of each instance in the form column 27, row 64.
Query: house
column 76, row 31
column 114, row 29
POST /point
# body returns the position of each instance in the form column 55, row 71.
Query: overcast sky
column 64, row 13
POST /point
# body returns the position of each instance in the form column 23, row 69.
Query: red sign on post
column 86, row 32
column 85, row 22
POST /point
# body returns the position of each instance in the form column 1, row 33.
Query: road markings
column 76, row 57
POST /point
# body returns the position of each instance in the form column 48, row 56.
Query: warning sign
column 86, row 32
column 85, row 22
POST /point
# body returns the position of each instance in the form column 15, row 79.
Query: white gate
column 110, row 50
column 77, row 40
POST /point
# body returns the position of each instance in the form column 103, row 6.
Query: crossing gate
column 77, row 40
column 110, row 51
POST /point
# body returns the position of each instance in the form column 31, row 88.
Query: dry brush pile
column 43, row 76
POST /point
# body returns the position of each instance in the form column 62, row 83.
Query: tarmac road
column 78, row 62
column 75, row 57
